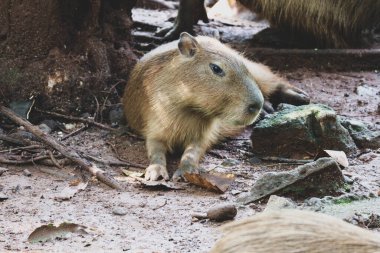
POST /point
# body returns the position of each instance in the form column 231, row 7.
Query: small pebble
column 2, row 170
column 3, row 197
column 27, row 173
column 119, row 211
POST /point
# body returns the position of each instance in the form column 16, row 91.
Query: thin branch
column 115, row 163
column 65, row 151
column 19, row 162
column 284, row 160
column 54, row 161
column 74, row 132
column 88, row 121
column 22, row 148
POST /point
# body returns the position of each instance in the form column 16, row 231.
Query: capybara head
column 214, row 81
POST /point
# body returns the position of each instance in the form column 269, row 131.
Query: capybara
column 188, row 94
column 295, row 231
column 328, row 23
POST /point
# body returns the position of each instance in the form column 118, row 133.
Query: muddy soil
column 160, row 220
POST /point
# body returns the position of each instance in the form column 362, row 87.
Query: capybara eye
column 217, row 70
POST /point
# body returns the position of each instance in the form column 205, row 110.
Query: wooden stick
column 284, row 160
column 115, row 163
column 19, row 162
column 74, row 132
column 65, row 151
column 54, row 161
column 88, row 121
column 21, row 148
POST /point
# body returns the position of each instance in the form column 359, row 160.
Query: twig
column 158, row 207
column 284, row 160
column 74, row 132
column 32, row 160
column 115, row 163
column 21, row 142
column 88, row 121
column 21, row 148
column 216, row 154
column 54, row 161
column 65, row 151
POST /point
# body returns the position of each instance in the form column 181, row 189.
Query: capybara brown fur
column 333, row 23
column 188, row 94
column 324, row 23
column 295, row 231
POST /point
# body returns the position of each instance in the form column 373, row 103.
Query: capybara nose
column 254, row 107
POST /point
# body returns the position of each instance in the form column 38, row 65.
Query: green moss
column 343, row 201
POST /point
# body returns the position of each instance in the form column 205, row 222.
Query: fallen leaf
column 69, row 192
column 134, row 174
column 339, row 156
column 215, row 181
column 160, row 184
column 48, row 232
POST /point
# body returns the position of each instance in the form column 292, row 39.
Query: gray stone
column 44, row 128
column 277, row 203
column 348, row 208
column 318, row 178
column 3, row 197
column 230, row 162
column 363, row 137
column 298, row 131
column 2, row 170
column 27, row 173
column 119, row 211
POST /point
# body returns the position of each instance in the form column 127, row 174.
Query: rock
column 346, row 208
column 44, row 128
column 3, row 197
column 317, row 178
column 2, row 170
column 365, row 220
column 119, row 211
column 230, row 162
column 222, row 213
column 298, row 131
column 26, row 173
column 313, row 204
column 276, row 203
column 116, row 115
column 22, row 108
column 363, row 137
column 52, row 124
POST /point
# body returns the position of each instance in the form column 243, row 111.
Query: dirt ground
column 160, row 220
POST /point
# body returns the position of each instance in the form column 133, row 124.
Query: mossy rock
column 300, row 131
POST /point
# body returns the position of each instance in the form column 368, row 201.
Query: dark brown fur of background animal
column 333, row 23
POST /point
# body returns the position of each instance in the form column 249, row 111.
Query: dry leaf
column 48, row 232
column 134, row 174
column 214, row 182
column 339, row 156
column 69, row 192
column 160, row 184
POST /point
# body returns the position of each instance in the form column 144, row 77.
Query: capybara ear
column 187, row 45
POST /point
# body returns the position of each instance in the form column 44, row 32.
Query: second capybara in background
column 327, row 23
column 333, row 23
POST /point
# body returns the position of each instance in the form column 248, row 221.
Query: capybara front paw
column 182, row 170
column 295, row 96
column 290, row 95
column 156, row 171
